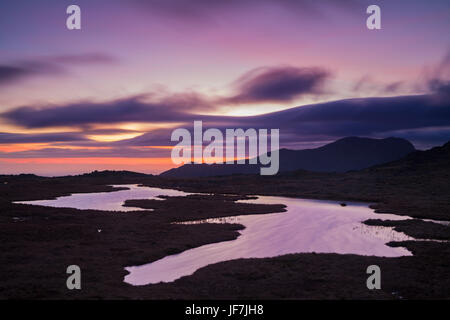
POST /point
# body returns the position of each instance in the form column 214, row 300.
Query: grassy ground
column 37, row 244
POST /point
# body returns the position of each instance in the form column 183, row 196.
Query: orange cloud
column 106, row 161
column 18, row 147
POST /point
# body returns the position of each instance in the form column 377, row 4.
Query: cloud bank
column 52, row 65
column 278, row 84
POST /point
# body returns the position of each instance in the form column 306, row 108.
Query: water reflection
column 306, row 226
column 109, row 201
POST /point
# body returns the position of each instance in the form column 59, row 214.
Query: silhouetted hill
column 18, row 176
column 111, row 173
column 347, row 154
column 428, row 162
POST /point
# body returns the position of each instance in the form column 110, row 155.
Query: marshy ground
column 38, row 243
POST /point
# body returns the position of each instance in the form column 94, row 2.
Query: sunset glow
column 111, row 93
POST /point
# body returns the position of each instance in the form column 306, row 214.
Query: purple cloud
column 278, row 84
column 423, row 119
column 40, row 138
column 12, row 73
column 53, row 65
column 80, row 114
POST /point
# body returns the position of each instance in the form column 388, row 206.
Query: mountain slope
column 351, row 153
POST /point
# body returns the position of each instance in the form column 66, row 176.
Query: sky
column 109, row 95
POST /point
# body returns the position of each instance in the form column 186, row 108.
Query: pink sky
column 161, row 51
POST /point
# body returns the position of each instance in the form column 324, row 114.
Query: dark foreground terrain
column 37, row 243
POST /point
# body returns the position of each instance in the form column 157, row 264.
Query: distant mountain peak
column 346, row 154
column 109, row 173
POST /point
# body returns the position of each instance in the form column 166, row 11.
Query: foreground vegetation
column 38, row 243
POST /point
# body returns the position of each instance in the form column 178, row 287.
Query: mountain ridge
column 342, row 155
